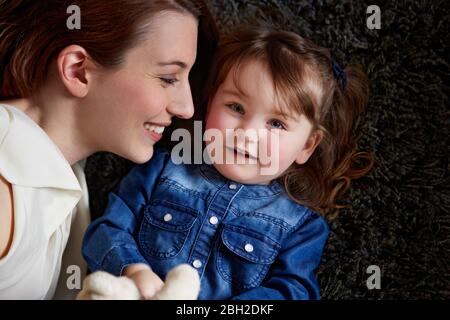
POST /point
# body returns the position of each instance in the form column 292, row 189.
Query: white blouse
column 50, row 202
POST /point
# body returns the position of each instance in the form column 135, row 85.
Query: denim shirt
column 246, row 241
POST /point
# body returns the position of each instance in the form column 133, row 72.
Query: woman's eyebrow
column 180, row 64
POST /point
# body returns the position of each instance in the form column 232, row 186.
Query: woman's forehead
column 171, row 36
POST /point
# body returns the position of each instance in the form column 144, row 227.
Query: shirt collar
column 28, row 157
column 210, row 173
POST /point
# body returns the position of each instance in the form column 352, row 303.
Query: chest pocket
column 245, row 256
column 165, row 228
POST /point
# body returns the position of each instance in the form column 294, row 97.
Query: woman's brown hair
column 32, row 33
column 305, row 83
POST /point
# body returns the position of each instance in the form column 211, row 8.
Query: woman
column 112, row 85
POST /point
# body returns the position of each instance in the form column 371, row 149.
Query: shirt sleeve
column 292, row 275
column 109, row 243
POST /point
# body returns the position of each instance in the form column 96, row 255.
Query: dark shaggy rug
column 400, row 214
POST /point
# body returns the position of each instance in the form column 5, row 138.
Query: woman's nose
column 182, row 106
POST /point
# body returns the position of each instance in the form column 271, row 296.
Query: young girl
column 250, row 235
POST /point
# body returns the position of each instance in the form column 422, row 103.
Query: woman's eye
column 169, row 81
column 276, row 124
column 236, row 107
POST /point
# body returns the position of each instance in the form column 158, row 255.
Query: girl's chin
column 240, row 173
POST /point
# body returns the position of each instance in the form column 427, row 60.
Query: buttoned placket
column 217, row 211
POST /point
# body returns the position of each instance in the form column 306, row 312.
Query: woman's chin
column 142, row 156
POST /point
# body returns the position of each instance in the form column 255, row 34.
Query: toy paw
column 101, row 285
column 181, row 283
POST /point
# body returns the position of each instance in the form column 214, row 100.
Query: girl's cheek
column 282, row 148
column 217, row 120
column 274, row 141
column 211, row 118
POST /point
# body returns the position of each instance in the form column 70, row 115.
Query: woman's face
column 130, row 107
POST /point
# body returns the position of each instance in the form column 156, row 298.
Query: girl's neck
column 58, row 118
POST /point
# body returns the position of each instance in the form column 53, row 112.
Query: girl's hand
column 146, row 280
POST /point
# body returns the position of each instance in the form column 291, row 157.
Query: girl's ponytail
column 326, row 176
column 344, row 163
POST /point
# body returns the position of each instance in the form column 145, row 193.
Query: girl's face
column 253, row 105
column 130, row 107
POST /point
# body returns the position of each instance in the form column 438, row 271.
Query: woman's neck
column 58, row 118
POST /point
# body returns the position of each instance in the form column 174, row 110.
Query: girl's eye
column 276, row 124
column 236, row 107
column 169, row 81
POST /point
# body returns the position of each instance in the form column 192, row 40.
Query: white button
column 197, row 264
column 248, row 247
column 232, row 186
column 167, row 217
column 213, row 220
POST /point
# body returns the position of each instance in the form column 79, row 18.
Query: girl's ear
column 75, row 70
column 310, row 145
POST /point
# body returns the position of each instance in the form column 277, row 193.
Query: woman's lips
column 154, row 131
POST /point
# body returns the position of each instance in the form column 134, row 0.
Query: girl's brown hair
column 304, row 81
column 32, row 33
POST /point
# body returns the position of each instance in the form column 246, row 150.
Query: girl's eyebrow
column 236, row 93
column 277, row 113
column 284, row 115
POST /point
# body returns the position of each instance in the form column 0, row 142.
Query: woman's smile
column 154, row 131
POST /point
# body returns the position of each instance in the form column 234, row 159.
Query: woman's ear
column 309, row 147
column 75, row 70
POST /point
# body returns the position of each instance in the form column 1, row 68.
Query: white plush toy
column 182, row 283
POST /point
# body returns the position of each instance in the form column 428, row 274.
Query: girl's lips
column 240, row 153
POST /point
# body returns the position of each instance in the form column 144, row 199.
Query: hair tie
column 340, row 75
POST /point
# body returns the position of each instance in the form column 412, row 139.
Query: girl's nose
column 251, row 130
column 246, row 135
